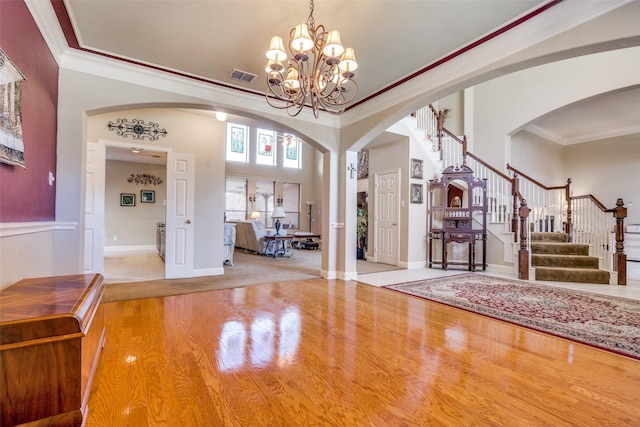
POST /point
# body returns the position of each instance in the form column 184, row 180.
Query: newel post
column 515, row 187
column 523, row 254
column 568, row 227
column 620, row 258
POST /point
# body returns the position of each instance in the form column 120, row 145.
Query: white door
column 94, row 208
column 387, row 218
column 180, row 212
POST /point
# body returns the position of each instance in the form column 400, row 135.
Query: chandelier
column 320, row 72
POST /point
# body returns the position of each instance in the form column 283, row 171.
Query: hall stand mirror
column 458, row 220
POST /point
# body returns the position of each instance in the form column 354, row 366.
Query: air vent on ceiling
column 243, row 76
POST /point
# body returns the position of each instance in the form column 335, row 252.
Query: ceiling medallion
column 320, row 72
column 137, row 129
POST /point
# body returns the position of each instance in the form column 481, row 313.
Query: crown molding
column 46, row 20
column 546, row 134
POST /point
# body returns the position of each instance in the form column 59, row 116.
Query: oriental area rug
column 609, row 323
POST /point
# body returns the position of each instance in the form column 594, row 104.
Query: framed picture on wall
column 147, row 196
column 416, row 193
column 127, row 199
column 416, row 168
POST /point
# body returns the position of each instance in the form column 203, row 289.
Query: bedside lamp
column 255, row 215
column 278, row 212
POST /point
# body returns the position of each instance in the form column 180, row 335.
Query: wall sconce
column 252, row 198
column 279, row 200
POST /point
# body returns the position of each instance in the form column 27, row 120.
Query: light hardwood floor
column 334, row 353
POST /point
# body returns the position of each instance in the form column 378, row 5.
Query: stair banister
column 545, row 202
column 584, row 217
column 620, row 258
column 515, row 189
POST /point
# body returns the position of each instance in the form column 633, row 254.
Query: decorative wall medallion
column 144, row 179
column 137, row 129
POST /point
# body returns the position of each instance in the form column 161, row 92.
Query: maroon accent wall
column 25, row 194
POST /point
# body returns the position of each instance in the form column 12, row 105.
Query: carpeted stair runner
column 557, row 260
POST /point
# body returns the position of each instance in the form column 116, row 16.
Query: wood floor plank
column 330, row 352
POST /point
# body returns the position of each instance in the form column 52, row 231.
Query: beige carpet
column 248, row 269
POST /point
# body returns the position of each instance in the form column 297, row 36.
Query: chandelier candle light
column 320, row 72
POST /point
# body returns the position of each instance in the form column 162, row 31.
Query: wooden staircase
column 555, row 259
column 528, row 211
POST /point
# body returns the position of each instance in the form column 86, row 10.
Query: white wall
column 539, row 158
column 607, row 169
column 132, row 225
column 505, row 105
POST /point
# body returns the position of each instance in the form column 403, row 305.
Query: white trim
column 19, row 228
column 345, row 275
column 412, row 265
column 47, row 22
column 200, row 272
column 501, row 270
column 329, row 275
column 114, row 249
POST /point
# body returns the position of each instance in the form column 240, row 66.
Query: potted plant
column 361, row 231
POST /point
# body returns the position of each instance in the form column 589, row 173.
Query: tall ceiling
column 393, row 40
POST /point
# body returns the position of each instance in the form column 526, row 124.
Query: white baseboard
column 330, row 275
column 501, row 270
column 112, row 249
column 200, row 272
column 347, row 275
column 412, row 265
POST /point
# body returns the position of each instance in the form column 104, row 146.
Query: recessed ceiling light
column 136, row 150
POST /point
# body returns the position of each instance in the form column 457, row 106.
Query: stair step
column 539, row 236
column 559, row 248
column 582, row 275
column 568, row 261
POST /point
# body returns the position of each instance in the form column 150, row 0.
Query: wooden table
column 51, row 335
column 279, row 246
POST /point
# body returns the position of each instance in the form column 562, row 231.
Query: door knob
column 188, row 221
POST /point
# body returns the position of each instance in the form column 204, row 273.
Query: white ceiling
column 393, row 39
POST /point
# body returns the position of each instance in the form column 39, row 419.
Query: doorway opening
column 134, row 214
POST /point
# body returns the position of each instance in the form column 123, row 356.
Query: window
column 236, row 199
column 237, row 143
column 266, row 150
column 292, row 152
column 264, row 200
column 291, row 204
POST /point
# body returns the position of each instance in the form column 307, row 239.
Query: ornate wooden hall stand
column 457, row 214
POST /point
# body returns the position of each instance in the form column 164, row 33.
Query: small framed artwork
column 127, row 199
column 416, row 193
column 416, row 168
column 147, row 196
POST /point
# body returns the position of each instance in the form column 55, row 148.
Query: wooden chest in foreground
column 51, row 335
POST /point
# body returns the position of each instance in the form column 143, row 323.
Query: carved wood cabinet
column 458, row 219
column 52, row 331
